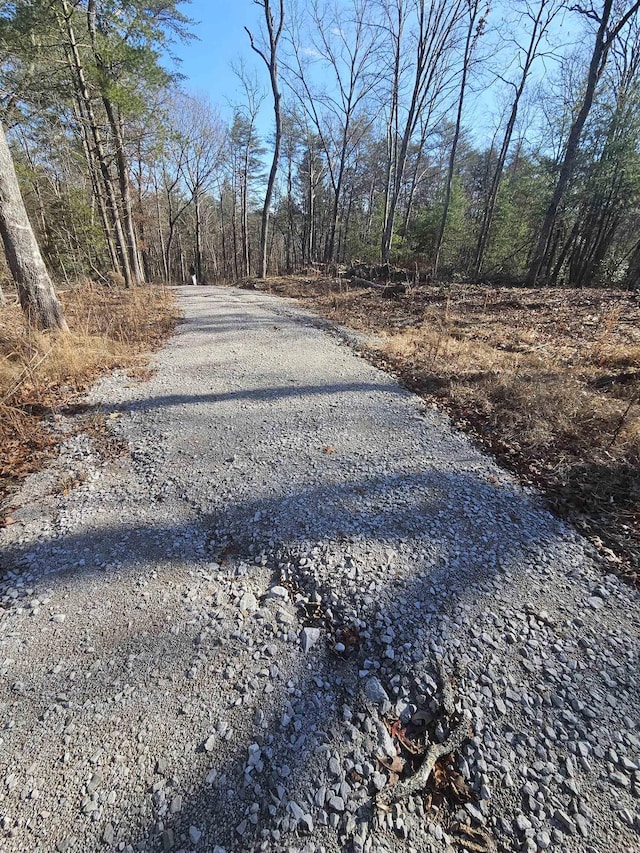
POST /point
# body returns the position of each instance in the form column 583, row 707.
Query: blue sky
column 222, row 41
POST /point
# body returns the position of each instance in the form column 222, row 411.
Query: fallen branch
column 477, row 840
column 622, row 420
column 459, row 734
column 385, row 290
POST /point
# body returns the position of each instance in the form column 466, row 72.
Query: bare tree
column 346, row 46
column 607, row 32
column 350, row 51
column 245, row 152
column 541, row 18
column 269, row 55
column 429, row 76
column 177, row 199
column 475, row 27
column 35, row 289
column 203, row 131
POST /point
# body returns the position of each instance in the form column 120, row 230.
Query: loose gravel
column 174, row 674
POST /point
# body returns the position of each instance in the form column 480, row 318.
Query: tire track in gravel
column 156, row 694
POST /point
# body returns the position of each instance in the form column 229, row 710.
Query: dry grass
column 535, row 403
column 548, row 380
column 43, row 374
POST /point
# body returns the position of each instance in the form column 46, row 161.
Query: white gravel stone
column 248, row 603
column 308, row 638
column 377, row 694
column 278, row 592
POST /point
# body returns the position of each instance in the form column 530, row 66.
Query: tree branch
column 255, row 48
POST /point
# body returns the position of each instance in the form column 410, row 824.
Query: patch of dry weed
column 42, row 373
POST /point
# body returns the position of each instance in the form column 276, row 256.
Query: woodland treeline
column 495, row 141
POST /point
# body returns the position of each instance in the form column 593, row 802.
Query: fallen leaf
column 460, row 786
column 395, row 765
column 393, row 780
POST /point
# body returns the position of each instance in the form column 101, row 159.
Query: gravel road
column 200, row 640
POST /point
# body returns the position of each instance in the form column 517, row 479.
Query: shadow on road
column 439, row 564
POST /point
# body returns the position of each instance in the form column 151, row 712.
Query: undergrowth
column 43, row 374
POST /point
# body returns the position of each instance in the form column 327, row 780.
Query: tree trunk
column 181, row 261
column 288, row 242
column 271, row 61
column 225, row 264
column 167, row 250
column 330, row 252
column 83, row 93
column 143, row 246
column 198, row 224
column 604, row 40
column 244, row 224
column 310, row 239
column 125, row 190
column 35, row 289
column 234, row 232
column 345, row 233
column 163, row 252
column 468, row 50
column 98, row 188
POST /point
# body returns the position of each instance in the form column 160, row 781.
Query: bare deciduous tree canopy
column 472, row 139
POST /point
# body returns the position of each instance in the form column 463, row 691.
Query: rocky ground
column 245, row 633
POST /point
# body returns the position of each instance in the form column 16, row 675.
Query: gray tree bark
column 605, row 37
column 274, row 31
column 94, row 174
column 35, row 288
column 544, row 16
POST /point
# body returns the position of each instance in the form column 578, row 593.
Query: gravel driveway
column 201, row 640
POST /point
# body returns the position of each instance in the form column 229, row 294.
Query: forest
column 338, row 550
column 463, row 139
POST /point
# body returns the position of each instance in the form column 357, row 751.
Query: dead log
column 362, row 282
column 391, row 290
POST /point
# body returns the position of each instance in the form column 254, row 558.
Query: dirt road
column 206, row 644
